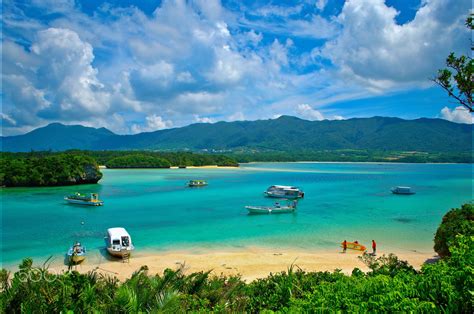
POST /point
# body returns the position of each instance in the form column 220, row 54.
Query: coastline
column 176, row 167
column 250, row 263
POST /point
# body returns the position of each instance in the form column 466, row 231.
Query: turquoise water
column 343, row 201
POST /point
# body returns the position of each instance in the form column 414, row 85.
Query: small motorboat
column 81, row 199
column 284, row 191
column 77, row 253
column 197, row 183
column 275, row 209
column 402, row 190
column 119, row 242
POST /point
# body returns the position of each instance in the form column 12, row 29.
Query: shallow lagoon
column 342, row 201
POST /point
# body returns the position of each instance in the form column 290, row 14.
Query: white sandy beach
column 251, row 263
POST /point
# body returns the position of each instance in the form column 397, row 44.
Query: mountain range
column 285, row 133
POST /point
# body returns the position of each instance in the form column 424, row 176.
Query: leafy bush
column 456, row 221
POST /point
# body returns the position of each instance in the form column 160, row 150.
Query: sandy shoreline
column 175, row 167
column 251, row 263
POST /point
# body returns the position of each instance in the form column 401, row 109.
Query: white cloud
column 321, row 4
column 306, row 112
column 153, row 123
column 376, row 51
column 458, row 114
column 199, row 119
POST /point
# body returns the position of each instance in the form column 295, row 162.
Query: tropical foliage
column 458, row 221
column 138, row 161
column 390, row 285
column 47, row 170
column 458, row 78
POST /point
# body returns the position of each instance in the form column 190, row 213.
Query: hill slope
column 282, row 134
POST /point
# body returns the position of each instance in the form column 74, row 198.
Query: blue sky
column 135, row 66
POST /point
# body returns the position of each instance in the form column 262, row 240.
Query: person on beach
column 344, row 246
column 374, row 247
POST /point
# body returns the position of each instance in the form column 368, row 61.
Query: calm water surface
column 343, row 201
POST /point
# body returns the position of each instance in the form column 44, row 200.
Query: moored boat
column 284, row 191
column 197, row 183
column 275, row 209
column 119, row 242
column 77, row 253
column 402, row 190
column 82, row 199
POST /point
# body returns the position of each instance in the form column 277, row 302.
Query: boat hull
column 120, row 253
column 269, row 210
column 402, row 193
column 86, row 203
column 77, row 258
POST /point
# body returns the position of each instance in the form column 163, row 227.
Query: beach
column 250, row 263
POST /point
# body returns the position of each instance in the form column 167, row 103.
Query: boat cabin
column 406, row 190
column 118, row 241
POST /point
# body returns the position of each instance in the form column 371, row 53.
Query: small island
column 82, row 167
column 36, row 169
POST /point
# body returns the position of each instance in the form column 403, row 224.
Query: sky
column 140, row 66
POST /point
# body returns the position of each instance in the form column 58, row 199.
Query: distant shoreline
column 174, row 167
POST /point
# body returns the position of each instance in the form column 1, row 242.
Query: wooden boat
column 77, row 253
column 402, row 190
column 354, row 246
column 82, row 199
column 284, row 191
column 275, row 209
column 197, row 183
column 119, row 242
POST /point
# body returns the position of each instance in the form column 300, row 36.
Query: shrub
column 458, row 221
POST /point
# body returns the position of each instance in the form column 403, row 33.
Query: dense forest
column 47, row 170
column 352, row 155
column 151, row 159
column 390, row 285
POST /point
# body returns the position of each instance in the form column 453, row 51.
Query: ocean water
column 342, row 201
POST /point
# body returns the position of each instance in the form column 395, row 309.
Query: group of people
column 374, row 246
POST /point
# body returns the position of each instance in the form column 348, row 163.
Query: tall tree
column 458, row 78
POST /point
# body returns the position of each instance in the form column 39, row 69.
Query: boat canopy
column 284, row 187
column 117, row 233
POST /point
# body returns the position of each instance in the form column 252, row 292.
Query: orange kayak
column 354, row 246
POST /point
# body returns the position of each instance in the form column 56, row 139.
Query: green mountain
column 283, row 134
column 56, row 137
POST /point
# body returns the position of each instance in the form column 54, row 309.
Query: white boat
column 77, row 253
column 403, row 190
column 197, row 183
column 82, row 199
column 119, row 242
column 275, row 209
column 284, row 191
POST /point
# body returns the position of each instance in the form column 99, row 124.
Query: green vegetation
column 352, row 155
column 138, row 161
column 458, row 78
column 458, row 221
column 391, row 285
column 285, row 134
column 135, row 159
column 47, row 170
